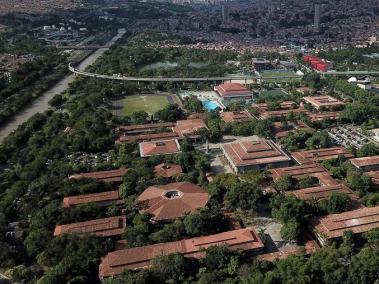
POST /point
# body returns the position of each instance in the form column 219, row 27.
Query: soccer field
column 150, row 104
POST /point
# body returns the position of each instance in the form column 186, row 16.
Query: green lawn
column 279, row 73
column 273, row 95
column 150, row 104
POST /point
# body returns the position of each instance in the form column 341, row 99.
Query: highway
column 162, row 79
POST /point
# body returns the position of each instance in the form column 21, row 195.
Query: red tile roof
column 141, row 257
column 107, row 196
column 167, row 170
column 106, row 176
column 247, row 153
column 322, row 192
column 105, row 227
column 365, row 161
column 161, row 147
column 359, row 221
column 323, row 101
column 300, row 171
column 320, row 116
column 189, row 126
column 147, row 137
column 232, row 90
column 235, row 116
column 144, row 127
column 286, row 107
column 280, row 131
column 374, row 175
column 310, row 156
column 173, row 200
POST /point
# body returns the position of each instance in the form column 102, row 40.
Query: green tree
column 290, row 231
column 338, row 202
column 171, row 267
column 243, row 195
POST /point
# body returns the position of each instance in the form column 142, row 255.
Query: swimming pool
column 210, row 105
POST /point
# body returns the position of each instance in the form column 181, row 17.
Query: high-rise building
column 316, row 23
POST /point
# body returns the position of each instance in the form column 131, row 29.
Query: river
column 41, row 104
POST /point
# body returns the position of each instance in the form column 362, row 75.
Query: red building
column 317, row 63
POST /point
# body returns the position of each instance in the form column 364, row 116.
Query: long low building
column 105, row 227
column 106, row 176
column 300, row 171
column 243, row 156
column 114, row 263
column 160, row 131
column 322, row 192
column 317, row 155
column 374, row 178
column 321, row 116
column 327, row 102
column 366, row 164
column 105, row 198
column 161, row 147
column 332, row 227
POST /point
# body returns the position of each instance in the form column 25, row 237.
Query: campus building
column 284, row 109
column 283, row 130
column 318, row 155
column 114, row 263
column 374, row 178
column 323, row 192
column 167, row 170
column 245, row 155
column 300, row 171
column 160, row 131
column 366, row 164
column 106, row 227
column 236, row 116
column 230, row 92
column 332, row 227
column 171, row 201
column 105, row 176
column 326, row 102
column 321, row 116
column 161, row 147
column 101, row 199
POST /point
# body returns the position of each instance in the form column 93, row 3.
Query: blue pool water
column 210, row 105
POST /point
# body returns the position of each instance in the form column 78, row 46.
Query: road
column 244, row 78
column 41, row 103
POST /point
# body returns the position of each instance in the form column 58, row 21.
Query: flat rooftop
column 106, row 196
column 141, row 257
column 316, row 155
column 106, row 227
column 359, row 221
column 250, row 153
column 106, row 176
column 323, row 101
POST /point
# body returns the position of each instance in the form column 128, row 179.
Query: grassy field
column 150, row 104
column 273, row 95
column 279, row 73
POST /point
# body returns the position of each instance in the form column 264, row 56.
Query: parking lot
column 348, row 136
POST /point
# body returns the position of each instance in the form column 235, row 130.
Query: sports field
column 150, row 103
column 279, row 73
column 273, row 95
